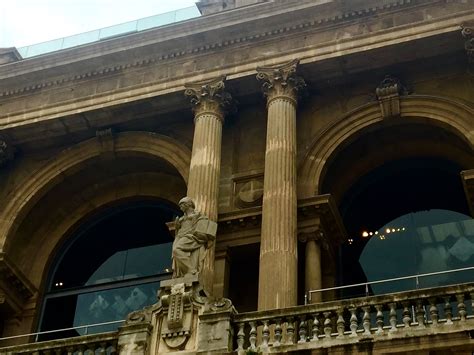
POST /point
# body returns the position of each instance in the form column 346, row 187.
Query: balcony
column 428, row 319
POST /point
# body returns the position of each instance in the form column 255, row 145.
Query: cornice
column 322, row 23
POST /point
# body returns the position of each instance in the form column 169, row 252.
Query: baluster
column 70, row 350
column 278, row 331
column 102, row 349
column 290, row 331
column 113, row 348
column 265, row 336
column 379, row 319
column 303, row 330
column 393, row 317
column 406, row 314
column 315, row 328
column 366, row 320
column 253, row 336
column 340, row 323
column 448, row 310
column 461, row 306
column 434, row 314
column 327, row 324
column 471, row 294
column 58, row 351
column 80, row 349
column 353, row 321
column 241, row 337
column 420, row 313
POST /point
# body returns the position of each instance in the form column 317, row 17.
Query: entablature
column 76, row 81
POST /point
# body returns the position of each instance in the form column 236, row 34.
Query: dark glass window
column 110, row 267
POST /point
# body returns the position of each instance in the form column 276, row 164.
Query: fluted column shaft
column 209, row 99
column 313, row 275
column 278, row 248
column 204, row 172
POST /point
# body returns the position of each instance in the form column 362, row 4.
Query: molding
column 14, row 280
column 320, row 23
column 313, row 213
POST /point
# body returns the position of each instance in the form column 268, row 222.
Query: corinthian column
column 209, row 100
column 278, row 248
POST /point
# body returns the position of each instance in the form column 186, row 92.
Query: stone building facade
column 302, row 127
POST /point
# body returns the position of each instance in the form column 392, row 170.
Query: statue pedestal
column 183, row 321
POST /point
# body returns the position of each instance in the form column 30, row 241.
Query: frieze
column 350, row 15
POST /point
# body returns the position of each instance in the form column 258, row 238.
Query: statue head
column 186, row 203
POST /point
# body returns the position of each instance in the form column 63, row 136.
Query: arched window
column 112, row 265
column 406, row 217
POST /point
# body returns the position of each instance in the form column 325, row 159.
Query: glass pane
column 116, row 30
column 147, row 261
column 155, row 21
column 88, row 309
column 44, row 47
column 82, row 38
column 112, row 305
column 425, row 242
column 187, row 13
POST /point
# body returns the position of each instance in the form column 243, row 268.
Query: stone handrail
column 104, row 343
column 398, row 315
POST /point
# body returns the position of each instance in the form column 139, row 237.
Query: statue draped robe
column 189, row 246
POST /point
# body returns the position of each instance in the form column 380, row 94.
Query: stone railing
column 430, row 312
column 105, row 343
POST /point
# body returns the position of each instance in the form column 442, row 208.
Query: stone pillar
column 222, row 273
column 313, row 276
column 278, row 248
column 209, row 100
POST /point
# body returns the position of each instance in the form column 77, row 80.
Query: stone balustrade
column 103, row 344
column 429, row 312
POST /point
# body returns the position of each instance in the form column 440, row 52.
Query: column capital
column 316, row 234
column 281, row 81
column 209, row 97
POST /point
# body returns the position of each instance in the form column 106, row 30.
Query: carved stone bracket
column 107, row 140
column 14, row 286
column 7, row 151
column 388, row 94
column 210, row 97
column 467, row 32
column 281, row 81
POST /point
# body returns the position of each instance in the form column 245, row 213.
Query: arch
column 111, row 192
column 76, row 157
column 443, row 112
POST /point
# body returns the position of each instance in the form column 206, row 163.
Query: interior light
column 376, row 232
column 393, row 230
column 371, row 233
column 365, row 234
column 387, row 230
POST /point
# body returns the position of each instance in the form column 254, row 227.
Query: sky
column 25, row 22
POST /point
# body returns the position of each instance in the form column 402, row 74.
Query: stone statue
column 194, row 234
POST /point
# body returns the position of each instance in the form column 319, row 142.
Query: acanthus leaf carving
column 281, row 81
column 210, row 96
